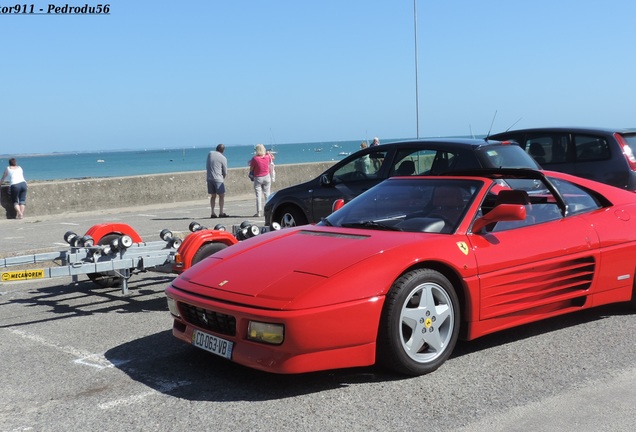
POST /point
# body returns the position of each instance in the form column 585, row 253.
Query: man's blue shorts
column 216, row 187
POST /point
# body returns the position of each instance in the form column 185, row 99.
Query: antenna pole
column 417, row 98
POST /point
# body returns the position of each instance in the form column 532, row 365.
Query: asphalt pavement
column 80, row 357
column 44, row 233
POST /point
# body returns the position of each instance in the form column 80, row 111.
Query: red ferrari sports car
column 401, row 272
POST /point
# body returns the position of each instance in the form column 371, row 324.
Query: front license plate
column 213, row 344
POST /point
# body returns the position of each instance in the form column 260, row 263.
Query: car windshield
column 506, row 156
column 412, row 205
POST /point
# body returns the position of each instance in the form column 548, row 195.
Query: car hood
column 281, row 266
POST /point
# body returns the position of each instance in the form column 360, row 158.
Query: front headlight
column 172, row 307
column 265, row 332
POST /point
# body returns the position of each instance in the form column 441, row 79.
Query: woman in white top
column 17, row 188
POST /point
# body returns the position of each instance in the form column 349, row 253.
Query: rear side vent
column 523, row 290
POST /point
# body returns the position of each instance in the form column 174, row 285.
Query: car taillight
column 627, row 151
column 337, row 205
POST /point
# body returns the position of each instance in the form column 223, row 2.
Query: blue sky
column 156, row 74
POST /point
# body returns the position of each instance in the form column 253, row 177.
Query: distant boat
column 100, row 160
column 344, row 153
column 336, row 146
column 317, row 149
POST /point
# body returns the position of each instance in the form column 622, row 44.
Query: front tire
column 632, row 302
column 291, row 217
column 419, row 326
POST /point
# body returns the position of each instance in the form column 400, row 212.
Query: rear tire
column 206, row 250
column 291, row 217
column 420, row 321
column 632, row 302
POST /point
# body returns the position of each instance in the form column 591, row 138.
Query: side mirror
column 337, row 205
column 502, row 212
column 325, row 180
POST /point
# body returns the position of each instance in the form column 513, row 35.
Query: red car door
column 533, row 271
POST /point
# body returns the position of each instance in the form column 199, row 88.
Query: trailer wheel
column 106, row 279
column 206, row 250
column 165, row 234
column 69, row 236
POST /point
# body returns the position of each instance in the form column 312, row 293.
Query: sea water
column 60, row 166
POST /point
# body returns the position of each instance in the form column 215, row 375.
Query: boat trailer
column 110, row 253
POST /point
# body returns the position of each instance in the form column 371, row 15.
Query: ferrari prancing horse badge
column 463, row 247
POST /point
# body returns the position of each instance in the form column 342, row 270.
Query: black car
column 604, row 155
column 309, row 202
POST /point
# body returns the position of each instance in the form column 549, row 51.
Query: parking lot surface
column 79, row 357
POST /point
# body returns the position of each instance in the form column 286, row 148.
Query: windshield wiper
column 371, row 225
column 325, row 222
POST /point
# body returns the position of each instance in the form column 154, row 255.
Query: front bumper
column 330, row 337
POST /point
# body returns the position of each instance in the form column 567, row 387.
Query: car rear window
column 630, row 138
column 505, row 156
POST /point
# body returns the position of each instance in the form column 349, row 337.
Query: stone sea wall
column 70, row 196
